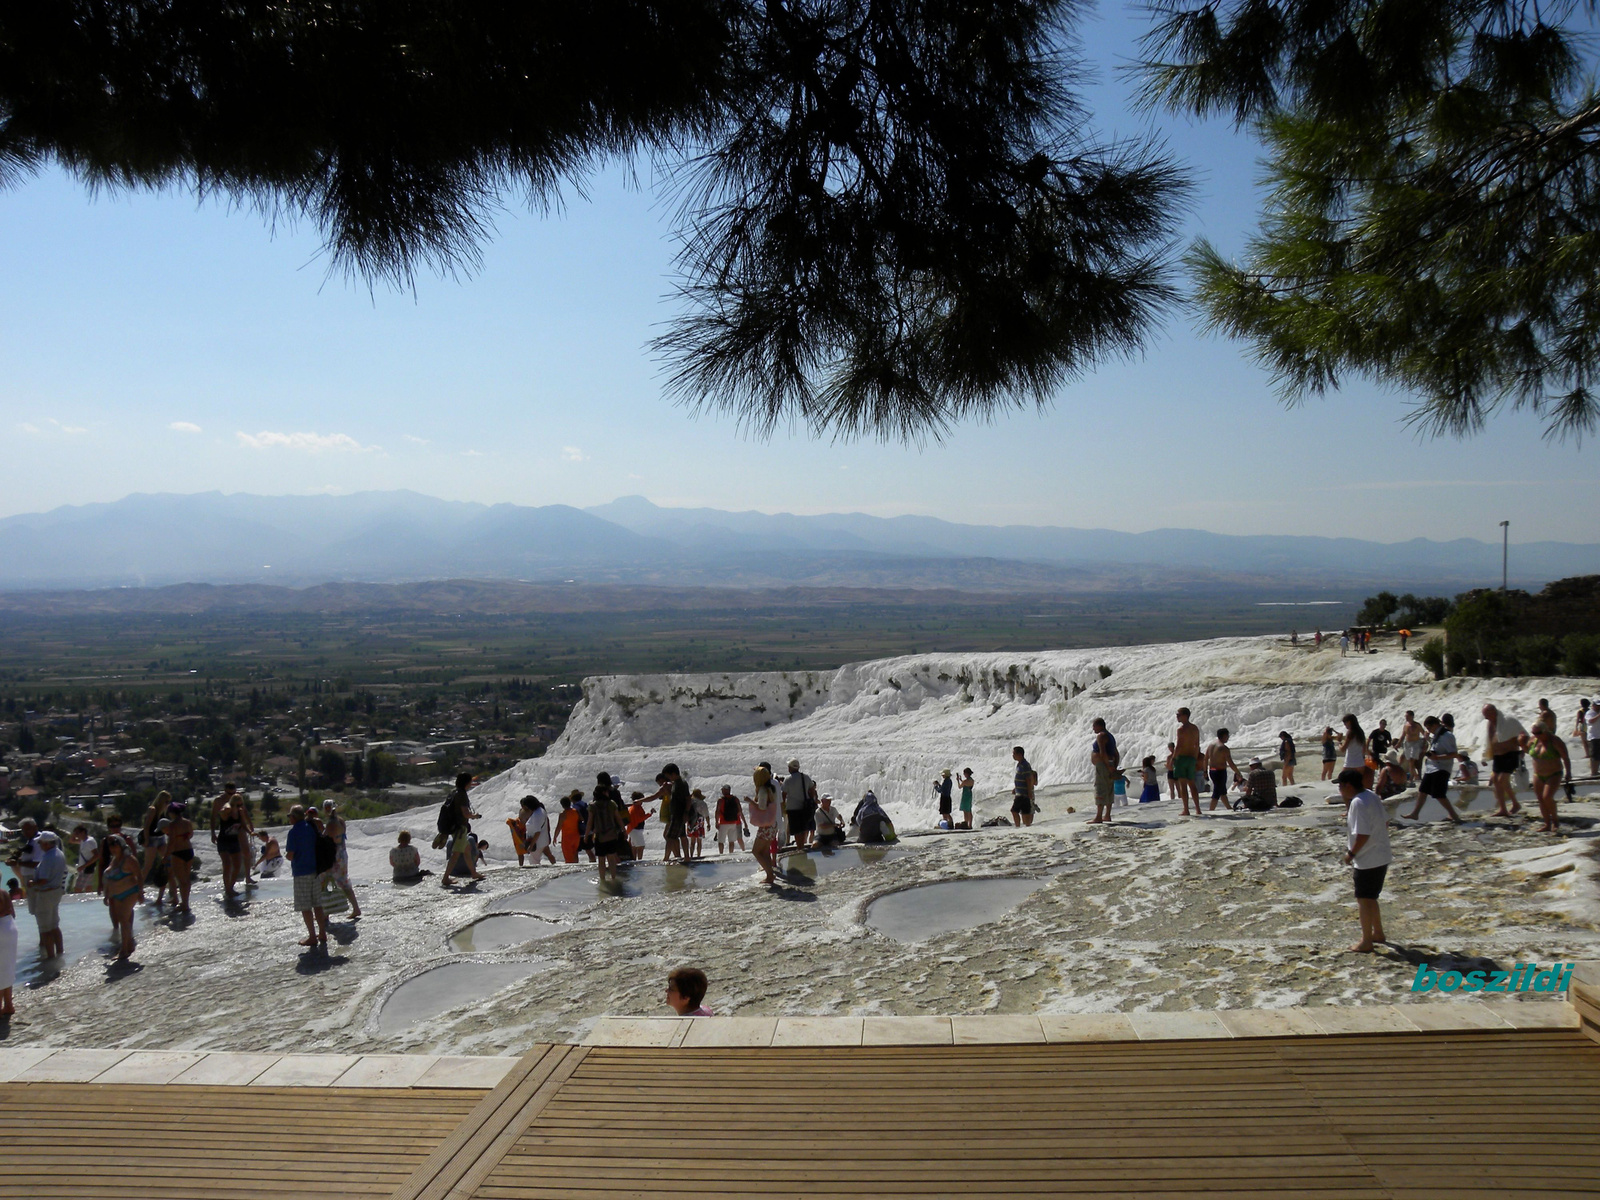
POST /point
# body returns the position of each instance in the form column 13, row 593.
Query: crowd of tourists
column 780, row 812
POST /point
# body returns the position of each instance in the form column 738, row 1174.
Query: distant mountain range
column 157, row 540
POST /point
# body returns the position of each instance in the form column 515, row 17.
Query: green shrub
column 1536, row 655
column 1431, row 655
column 1580, row 654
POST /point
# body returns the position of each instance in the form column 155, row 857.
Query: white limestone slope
column 892, row 724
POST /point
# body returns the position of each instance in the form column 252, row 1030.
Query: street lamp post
column 1505, row 542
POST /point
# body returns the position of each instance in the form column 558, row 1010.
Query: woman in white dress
column 8, row 952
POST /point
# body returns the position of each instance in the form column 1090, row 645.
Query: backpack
column 327, row 853
column 449, row 814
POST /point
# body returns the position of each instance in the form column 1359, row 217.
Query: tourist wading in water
column 1552, row 767
column 1503, row 744
column 763, row 808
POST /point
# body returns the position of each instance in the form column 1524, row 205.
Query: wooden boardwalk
column 1416, row 1116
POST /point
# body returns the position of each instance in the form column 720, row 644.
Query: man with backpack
column 455, row 831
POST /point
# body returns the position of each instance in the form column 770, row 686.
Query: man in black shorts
column 1367, row 851
column 1503, row 743
column 1437, row 762
column 1022, row 784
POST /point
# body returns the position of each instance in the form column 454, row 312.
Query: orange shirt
column 567, row 826
column 636, row 816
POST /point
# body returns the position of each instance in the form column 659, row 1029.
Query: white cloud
column 311, row 443
column 29, row 427
column 184, row 427
column 70, row 428
column 472, row 454
column 572, row 454
column 410, row 437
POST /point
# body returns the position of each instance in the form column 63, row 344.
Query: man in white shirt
column 1503, row 745
column 1591, row 736
column 1368, row 852
column 1437, row 760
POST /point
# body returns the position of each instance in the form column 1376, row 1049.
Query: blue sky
column 154, row 344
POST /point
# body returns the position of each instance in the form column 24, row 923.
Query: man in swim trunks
column 1503, row 744
column 1412, row 743
column 1185, row 758
column 180, row 853
column 1219, row 761
column 1022, row 785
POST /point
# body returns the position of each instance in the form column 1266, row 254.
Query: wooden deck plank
column 1255, row 1116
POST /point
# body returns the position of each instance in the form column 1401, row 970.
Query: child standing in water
column 1147, row 772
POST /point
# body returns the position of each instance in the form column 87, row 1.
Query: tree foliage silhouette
column 890, row 215
column 1432, row 221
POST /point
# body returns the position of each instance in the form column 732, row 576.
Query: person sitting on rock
column 1260, row 788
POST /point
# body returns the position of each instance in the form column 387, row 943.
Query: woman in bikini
column 1552, row 766
column 180, row 854
column 1286, row 755
column 124, row 881
column 155, row 837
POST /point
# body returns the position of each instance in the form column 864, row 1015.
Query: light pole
column 1505, row 541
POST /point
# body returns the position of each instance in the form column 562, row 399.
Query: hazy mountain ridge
column 152, row 540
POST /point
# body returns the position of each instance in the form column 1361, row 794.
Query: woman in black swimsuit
column 230, row 844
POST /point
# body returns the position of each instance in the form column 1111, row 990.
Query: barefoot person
column 1100, row 758
column 1353, row 745
column 455, row 822
column 967, row 784
column 1186, row 761
column 8, row 952
column 676, row 800
column 609, row 823
column 1439, row 756
column 1023, row 783
column 1503, row 744
column 730, row 822
column 334, row 827
column 1412, row 744
column 800, row 803
column 123, row 882
column 1368, row 853
column 1219, row 763
column 301, row 841
column 180, row 853
column 763, row 809
column 45, row 892
column 638, row 815
column 1552, row 767
column 1286, row 756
